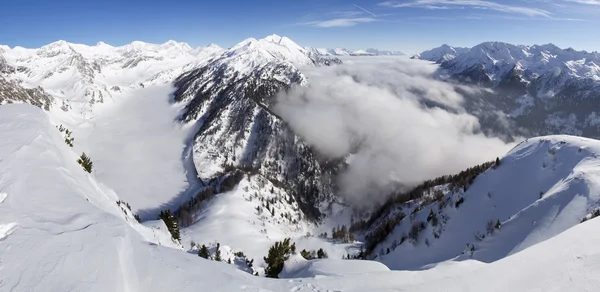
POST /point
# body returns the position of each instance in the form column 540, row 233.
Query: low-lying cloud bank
column 376, row 109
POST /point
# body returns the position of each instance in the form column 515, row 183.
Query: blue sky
column 408, row 25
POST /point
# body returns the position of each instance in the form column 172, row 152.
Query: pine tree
column 322, row 254
column 218, row 253
column 306, row 254
column 171, row 223
column 278, row 254
column 203, row 252
column 497, row 162
column 85, row 162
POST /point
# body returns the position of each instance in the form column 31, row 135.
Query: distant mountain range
column 543, row 89
column 346, row 52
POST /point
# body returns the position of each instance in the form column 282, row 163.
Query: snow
column 81, row 76
column 538, row 60
column 346, row 52
column 441, row 54
column 233, row 220
column 61, row 229
column 554, row 183
column 298, row 267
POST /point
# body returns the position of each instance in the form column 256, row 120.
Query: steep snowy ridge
column 346, row 52
column 229, row 100
column 441, row 54
column 541, row 188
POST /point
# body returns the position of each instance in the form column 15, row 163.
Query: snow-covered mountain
column 79, row 76
column 258, row 181
column 540, row 89
column 541, row 188
column 230, row 100
column 346, row 52
column 441, row 54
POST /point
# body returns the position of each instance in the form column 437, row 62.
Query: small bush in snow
column 306, row 254
column 415, row 230
column 432, row 217
column 459, row 202
column 490, row 227
column 218, row 253
column 85, row 162
column 321, row 254
column 278, row 254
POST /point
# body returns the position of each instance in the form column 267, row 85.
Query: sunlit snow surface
column 70, row 235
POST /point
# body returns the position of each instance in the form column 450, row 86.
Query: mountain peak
column 56, row 48
column 102, row 44
column 273, row 38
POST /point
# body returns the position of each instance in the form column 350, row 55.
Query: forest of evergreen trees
column 456, row 182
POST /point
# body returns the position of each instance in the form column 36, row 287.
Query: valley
column 268, row 140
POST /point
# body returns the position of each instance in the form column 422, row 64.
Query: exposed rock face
column 230, row 99
column 12, row 92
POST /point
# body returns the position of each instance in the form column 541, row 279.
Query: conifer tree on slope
column 278, row 254
column 171, row 223
column 203, row 252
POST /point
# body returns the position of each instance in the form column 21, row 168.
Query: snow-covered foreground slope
column 542, row 187
column 60, row 230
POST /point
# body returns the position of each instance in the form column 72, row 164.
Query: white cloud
column 340, row 22
column 373, row 107
column 589, row 2
column 475, row 4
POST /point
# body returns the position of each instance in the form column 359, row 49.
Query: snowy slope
column 441, row 54
column 542, row 187
column 79, row 76
column 62, row 232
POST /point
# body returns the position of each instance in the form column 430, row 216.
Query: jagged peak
column 272, row 47
column 56, row 48
column 273, row 38
column 103, row 44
